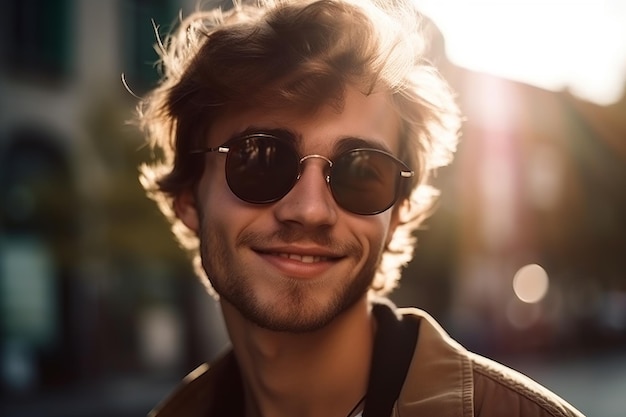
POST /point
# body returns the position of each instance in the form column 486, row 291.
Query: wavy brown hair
column 299, row 54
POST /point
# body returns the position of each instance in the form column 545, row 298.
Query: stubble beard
column 293, row 309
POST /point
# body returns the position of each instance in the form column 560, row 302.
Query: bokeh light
column 531, row 283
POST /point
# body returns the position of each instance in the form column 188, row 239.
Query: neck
column 321, row 373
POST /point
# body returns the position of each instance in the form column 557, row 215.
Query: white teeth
column 310, row 259
column 307, row 259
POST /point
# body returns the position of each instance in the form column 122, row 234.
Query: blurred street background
column 524, row 260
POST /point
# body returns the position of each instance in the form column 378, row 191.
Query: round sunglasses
column 262, row 168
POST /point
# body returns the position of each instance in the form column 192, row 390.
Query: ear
column 186, row 210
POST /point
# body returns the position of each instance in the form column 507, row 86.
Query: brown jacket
column 443, row 380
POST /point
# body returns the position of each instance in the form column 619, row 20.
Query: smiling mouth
column 307, row 259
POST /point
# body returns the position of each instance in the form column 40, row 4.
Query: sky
column 578, row 45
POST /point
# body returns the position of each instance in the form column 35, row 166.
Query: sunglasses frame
column 404, row 171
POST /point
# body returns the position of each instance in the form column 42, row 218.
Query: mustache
column 287, row 235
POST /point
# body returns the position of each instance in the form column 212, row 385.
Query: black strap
column 394, row 345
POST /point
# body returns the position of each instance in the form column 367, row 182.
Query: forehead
column 369, row 117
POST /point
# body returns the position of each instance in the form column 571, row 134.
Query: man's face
column 296, row 264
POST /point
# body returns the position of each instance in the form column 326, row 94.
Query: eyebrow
column 282, row 133
column 350, row 142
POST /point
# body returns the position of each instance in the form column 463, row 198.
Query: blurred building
column 100, row 310
column 93, row 291
column 539, row 179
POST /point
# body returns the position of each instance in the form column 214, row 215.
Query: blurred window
column 37, row 34
column 139, row 18
column 38, row 254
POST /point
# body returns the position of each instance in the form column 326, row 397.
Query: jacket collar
column 439, row 381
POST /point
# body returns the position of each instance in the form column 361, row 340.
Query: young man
column 297, row 139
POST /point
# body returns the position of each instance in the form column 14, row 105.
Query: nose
column 310, row 202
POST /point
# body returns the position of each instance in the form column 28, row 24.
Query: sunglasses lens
column 365, row 181
column 261, row 169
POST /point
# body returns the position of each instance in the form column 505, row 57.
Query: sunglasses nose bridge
column 323, row 158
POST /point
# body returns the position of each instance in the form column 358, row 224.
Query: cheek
column 221, row 211
column 388, row 226
column 375, row 230
column 213, row 190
